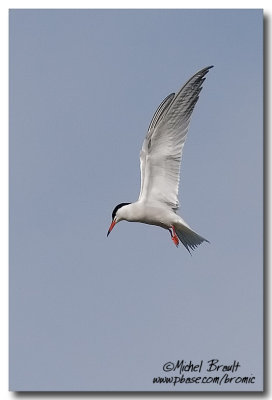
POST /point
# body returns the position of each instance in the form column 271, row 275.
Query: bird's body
column 160, row 160
column 151, row 214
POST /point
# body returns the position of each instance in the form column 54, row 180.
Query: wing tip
column 205, row 70
column 209, row 67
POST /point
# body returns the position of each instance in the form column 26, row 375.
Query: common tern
column 160, row 159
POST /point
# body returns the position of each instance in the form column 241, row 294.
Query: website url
column 225, row 379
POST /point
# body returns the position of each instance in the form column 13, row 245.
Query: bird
column 160, row 159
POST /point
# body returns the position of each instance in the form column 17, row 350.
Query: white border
column 4, row 6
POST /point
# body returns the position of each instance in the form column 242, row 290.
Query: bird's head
column 117, row 216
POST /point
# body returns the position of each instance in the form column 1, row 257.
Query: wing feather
column 157, row 117
column 161, row 152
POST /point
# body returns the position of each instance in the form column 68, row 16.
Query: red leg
column 174, row 235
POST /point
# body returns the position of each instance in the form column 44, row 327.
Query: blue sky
column 91, row 313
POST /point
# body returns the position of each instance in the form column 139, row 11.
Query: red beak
column 111, row 227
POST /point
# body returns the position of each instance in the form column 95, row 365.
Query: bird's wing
column 161, row 110
column 161, row 152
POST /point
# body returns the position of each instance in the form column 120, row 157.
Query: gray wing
column 161, row 152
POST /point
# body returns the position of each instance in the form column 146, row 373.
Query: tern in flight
column 160, row 160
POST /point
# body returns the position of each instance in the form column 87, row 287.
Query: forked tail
column 189, row 238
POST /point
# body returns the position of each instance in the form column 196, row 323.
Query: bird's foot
column 174, row 236
column 175, row 240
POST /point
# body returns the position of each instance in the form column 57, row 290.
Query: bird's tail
column 188, row 237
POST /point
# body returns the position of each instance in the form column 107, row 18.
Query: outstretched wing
column 157, row 117
column 161, row 152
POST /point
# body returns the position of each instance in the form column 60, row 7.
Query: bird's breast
column 149, row 214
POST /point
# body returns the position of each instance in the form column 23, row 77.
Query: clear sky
column 94, row 313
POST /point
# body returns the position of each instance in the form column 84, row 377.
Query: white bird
column 160, row 160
